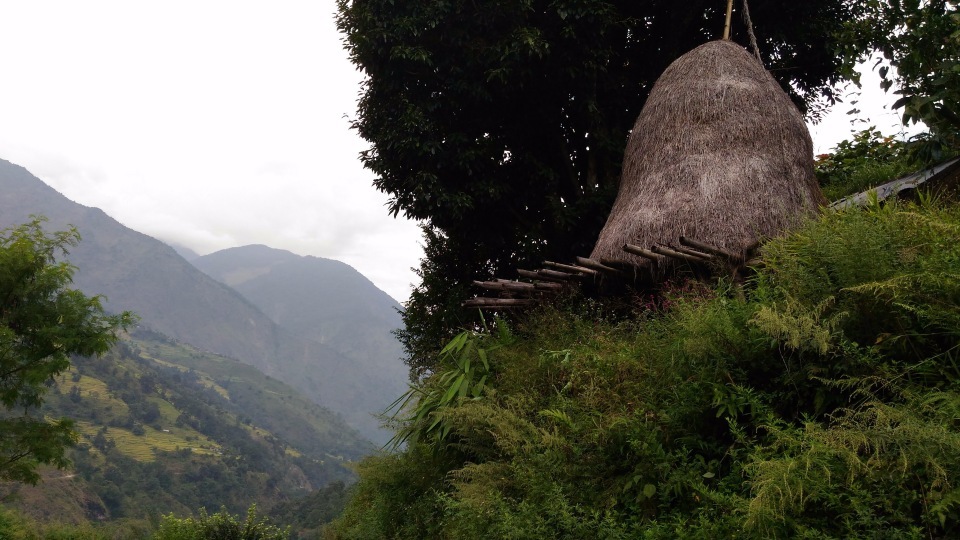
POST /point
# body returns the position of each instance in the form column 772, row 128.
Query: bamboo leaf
column 455, row 344
column 483, row 358
column 478, row 388
column 452, row 391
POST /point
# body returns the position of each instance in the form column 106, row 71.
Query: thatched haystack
column 719, row 154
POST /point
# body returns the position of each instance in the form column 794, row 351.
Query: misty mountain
column 319, row 299
column 184, row 251
column 138, row 273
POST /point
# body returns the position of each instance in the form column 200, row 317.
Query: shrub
column 868, row 160
column 219, row 526
column 819, row 401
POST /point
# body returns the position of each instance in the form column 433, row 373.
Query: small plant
column 466, row 359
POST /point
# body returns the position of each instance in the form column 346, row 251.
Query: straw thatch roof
column 719, row 154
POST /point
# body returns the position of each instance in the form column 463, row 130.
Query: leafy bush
column 866, row 161
column 820, row 401
column 219, row 526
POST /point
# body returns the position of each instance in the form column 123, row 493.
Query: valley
column 229, row 392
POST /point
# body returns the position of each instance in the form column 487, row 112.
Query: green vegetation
column 15, row 526
column 221, row 525
column 515, row 115
column 817, row 401
column 164, row 427
column 864, row 162
column 42, row 322
column 921, row 42
column 307, row 515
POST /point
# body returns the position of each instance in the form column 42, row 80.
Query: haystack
column 718, row 154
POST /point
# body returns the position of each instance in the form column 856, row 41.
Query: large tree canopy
column 42, row 323
column 502, row 123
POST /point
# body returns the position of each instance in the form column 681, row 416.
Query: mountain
column 138, row 273
column 184, row 251
column 321, row 300
column 165, row 427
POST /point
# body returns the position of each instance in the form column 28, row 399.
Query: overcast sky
column 215, row 124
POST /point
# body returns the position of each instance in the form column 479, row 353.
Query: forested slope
column 138, row 273
column 165, row 428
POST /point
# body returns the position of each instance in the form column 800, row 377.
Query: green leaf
column 483, row 358
column 452, row 391
column 478, row 388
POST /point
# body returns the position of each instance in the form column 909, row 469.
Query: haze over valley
column 246, row 352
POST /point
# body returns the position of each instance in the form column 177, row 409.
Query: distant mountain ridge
column 138, row 273
column 319, row 299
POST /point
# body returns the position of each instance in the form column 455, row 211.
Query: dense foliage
column 219, row 526
column 307, row 515
column 865, row 161
column 157, row 436
column 818, row 401
column 42, row 322
column 920, row 41
column 502, row 124
column 164, row 428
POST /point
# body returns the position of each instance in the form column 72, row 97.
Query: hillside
column 138, row 273
column 324, row 301
column 817, row 400
column 168, row 428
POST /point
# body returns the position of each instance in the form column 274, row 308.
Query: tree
column 42, row 323
column 920, row 40
column 502, row 123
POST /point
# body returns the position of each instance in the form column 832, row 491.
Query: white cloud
column 209, row 124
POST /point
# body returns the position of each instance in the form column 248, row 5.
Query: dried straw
column 719, row 153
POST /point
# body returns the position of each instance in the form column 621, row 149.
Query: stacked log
column 703, row 258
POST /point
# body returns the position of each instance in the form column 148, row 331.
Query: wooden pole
column 726, row 28
column 626, row 266
column 645, row 253
column 538, row 275
column 590, row 263
column 695, row 253
column 570, row 268
column 494, row 303
column 676, row 254
column 707, row 248
column 546, row 273
column 516, row 286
